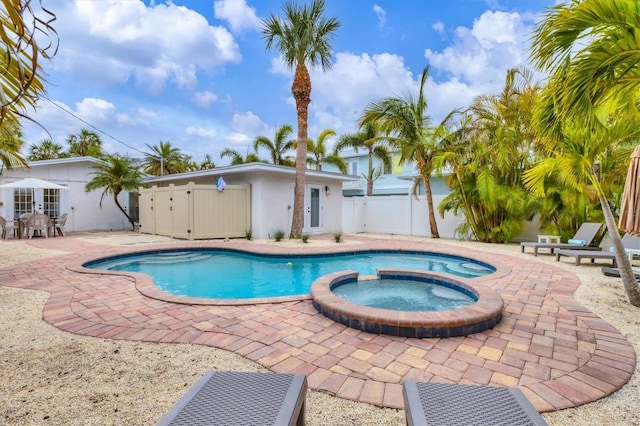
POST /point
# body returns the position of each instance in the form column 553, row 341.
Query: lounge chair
column 241, row 398
column 631, row 246
column 455, row 404
column 582, row 240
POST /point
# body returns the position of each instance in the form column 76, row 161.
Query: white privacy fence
column 405, row 215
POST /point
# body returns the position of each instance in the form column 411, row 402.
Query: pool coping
column 484, row 314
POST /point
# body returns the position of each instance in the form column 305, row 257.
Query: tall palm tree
column 25, row 38
column 114, row 175
column 45, row 150
column 302, row 36
column 164, row 159
column 370, row 139
column 318, row 152
column 591, row 49
column 11, row 144
column 237, row 158
column 405, row 121
column 85, row 144
column 279, row 146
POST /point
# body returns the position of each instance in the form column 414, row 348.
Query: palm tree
column 279, row 146
column 85, row 144
column 405, row 121
column 23, row 42
column 302, row 35
column 11, row 144
column 114, row 175
column 45, row 150
column 207, row 163
column 164, row 159
column 591, row 50
column 370, row 139
column 236, row 157
column 318, row 151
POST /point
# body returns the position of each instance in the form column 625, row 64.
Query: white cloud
column 438, row 27
column 204, row 99
column 201, row 132
column 238, row 14
column 111, row 42
column 340, row 94
column 482, row 54
column 249, row 124
column 381, row 13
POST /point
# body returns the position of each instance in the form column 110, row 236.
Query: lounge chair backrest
column 3, row 222
column 587, row 232
column 631, row 242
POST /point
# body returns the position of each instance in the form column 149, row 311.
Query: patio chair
column 58, row 225
column 630, row 243
column 37, row 223
column 455, row 404
column 584, row 239
column 241, row 398
column 7, row 226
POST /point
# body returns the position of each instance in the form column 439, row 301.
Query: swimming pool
column 231, row 274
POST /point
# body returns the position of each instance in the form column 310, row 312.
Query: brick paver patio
column 556, row 351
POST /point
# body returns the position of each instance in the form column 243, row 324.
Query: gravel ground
column 49, row 377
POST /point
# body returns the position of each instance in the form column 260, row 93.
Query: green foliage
column 85, row 144
column 279, row 146
column 486, row 152
column 278, row 236
column 248, row 234
column 113, row 175
column 165, row 159
column 305, row 238
column 337, row 237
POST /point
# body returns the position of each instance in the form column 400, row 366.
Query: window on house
column 22, row 202
column 51, row 205
column 353, row 168
column 388, row 170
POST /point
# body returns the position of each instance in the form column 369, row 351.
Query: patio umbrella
column 33, row 184
column 630, row 207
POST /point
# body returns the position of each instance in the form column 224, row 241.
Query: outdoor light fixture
column 327, row 191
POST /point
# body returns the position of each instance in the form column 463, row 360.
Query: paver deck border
column 557, row 352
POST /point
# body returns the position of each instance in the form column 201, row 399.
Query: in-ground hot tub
column 484, row 311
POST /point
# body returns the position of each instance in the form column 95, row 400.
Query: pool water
column 223, row 274
column 403, row 295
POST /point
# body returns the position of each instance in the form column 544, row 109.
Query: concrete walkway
column 557, row 352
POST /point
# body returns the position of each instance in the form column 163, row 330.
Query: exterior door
column 313, row 209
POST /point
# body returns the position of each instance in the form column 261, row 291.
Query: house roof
column 68, row 160
column 258, row 168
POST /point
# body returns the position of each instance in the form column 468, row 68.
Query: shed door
column 313, row 201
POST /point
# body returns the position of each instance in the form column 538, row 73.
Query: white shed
column 272, row 195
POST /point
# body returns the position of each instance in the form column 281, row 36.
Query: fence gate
column 196, row 211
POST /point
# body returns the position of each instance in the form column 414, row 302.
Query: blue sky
column 196, row 72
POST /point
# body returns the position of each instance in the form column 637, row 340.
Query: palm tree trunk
column 370, row 175
column 433, row 225
column 301, row 90
column 624, row 264
column 115, row 198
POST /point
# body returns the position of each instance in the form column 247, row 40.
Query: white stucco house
column 272, row 195
column 85, row 213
